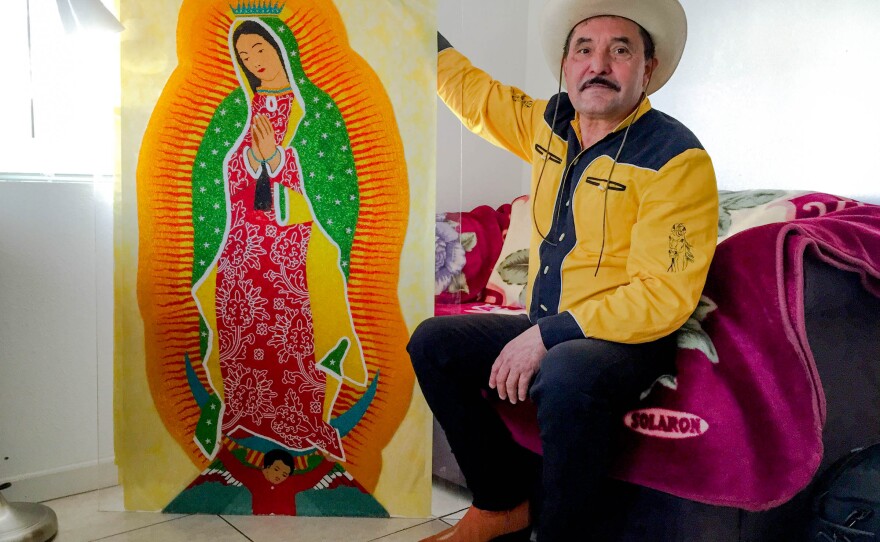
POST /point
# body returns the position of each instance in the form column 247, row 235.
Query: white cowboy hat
column 664, row 20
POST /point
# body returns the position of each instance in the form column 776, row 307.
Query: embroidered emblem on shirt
column 680, row 253
column 526, row 101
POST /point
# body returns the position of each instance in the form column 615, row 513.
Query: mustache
column 600, row 81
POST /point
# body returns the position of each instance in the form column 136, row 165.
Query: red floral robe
column 267, row 356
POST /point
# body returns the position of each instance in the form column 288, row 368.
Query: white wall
column 471, row 172
column 779, row 92
column 56, row 255
column 56, row 338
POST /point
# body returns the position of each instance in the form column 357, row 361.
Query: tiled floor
column 99, row 516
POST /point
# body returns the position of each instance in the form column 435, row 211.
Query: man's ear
column 650, row 67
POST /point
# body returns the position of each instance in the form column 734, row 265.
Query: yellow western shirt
column 660, row 210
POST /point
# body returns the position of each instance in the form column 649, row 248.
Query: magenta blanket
column 741, row 424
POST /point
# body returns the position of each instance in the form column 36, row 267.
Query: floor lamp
column 26, row 522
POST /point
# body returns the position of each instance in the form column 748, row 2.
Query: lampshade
column 87, row 15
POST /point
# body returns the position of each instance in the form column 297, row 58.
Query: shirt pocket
column 597, row 197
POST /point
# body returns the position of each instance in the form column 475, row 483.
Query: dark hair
column 647, row 40
column 253, row 27
column 278, row 455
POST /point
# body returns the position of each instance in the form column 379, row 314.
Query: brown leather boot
column 485, row 526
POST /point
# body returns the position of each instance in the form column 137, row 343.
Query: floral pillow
column 465, row 246
column 507, row 283
column 744, row 209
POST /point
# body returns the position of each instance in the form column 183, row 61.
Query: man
column 625, row 216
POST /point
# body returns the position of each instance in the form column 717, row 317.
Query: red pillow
column 465, row 249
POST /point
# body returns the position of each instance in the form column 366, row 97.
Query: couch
column 806, row 395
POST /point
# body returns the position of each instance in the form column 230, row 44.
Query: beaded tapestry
column 272, row 197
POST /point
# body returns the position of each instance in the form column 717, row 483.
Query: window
column 60, row 98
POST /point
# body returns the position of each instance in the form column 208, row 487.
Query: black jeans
column 582, row 390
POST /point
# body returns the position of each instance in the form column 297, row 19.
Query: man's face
column 277, row 472
column 605, row 68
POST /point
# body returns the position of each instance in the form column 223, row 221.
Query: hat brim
column 664, row 20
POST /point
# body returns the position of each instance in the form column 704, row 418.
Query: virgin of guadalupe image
column 272, row 210
column 276, row 272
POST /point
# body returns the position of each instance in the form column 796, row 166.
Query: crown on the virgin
column 252, row 8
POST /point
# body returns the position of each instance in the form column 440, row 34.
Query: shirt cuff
column 558, row 329
column 442, row 42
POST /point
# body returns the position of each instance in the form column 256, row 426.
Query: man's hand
column 517, row 364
